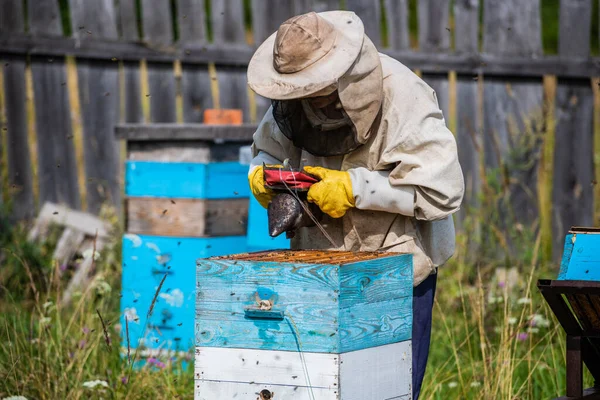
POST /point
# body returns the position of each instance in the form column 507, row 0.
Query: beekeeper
column 373, row 133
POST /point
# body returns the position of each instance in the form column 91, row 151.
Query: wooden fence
column 488, row 74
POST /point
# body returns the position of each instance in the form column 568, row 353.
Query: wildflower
column 501, row 284
column 88, row 254
column 151, row 360
column 48, row 304
column 160, row 364
column 522, row 336
column 63, row 267
column 524, row 300
column 131, row 315
column 118, row 328
column 124, row 380
column 82, row 344
column 93, row 384
column 45, row 321
column 102, row 287
column 15, row 398
column 452, row 384
column 533, row 330
column 512, row 321
column 85, row 330
column 475, row 384
column 539, row 320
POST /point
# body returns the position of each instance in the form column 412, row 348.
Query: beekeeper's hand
column 333, row 193
column 256, row 180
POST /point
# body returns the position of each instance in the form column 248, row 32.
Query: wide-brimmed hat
column 308, row 53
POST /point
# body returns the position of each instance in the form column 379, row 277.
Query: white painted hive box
column 304, row 325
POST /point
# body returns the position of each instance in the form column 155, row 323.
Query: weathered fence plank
column 99, row 99
column 396, row 12
column 513, row 110
column 228, row 15
column 572, row 190
column 434, row 37
column 57, row 165
column 370, row 13
column 195, row 80
column 131, row 69
column 468, row 119
column 158, row 30
column 19, row 161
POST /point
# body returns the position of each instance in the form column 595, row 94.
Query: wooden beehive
column 186, row 196
column 304, row 324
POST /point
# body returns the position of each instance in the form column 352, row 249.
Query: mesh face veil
column 309, row 128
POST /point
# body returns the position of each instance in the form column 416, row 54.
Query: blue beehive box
column 581, row 258
column 292, row 323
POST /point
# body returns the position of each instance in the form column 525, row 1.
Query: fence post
column 228, row 27
column 370, row 13
column 195, row 80
column 513, row 113
column 99, row 99
column 396, row 12
column 57, row 165
column 434, row 37
column 20, row 180
column 129, row 32
column 158, row 31
column 573, row 190
column 468, row 118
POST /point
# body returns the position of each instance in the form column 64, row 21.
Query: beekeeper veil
column 315, row 55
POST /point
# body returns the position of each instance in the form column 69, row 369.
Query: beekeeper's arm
column 425, row 180
column 269, row 147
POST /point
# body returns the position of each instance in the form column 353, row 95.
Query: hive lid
column 308, row 256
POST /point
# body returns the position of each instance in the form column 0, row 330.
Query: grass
column 493, row 336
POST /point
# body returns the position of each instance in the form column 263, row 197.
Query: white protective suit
column 406, row 178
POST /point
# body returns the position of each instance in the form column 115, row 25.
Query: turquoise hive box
column 288, row 324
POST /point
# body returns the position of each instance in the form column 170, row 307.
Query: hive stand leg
column 574, row 367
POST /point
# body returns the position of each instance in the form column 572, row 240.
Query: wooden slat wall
column 99, row 98
column 195, row 80
column 468, row 118
column 434, row 37
column 158, row 30
column 19, row 162
column 397, row 24
column 573, row 191
column 57, row 166
column 513, row 109
column 131, row 70
column 228, row 22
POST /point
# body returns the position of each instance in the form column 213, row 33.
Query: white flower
column 45, row 321
column 452, row 384
column 475, row 384
column 102, row 287
column 89, row 252
column 174, row 299
column 494, row 299
column 498, row 329
column 132, row 315
column 539, row 320
column 512, row 321
column 15, row 398
column 524, row 300
column 93, row 384
column 533, row 330
column 48, row 304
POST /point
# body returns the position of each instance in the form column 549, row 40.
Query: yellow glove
column 256, row 180
column 333, row 193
